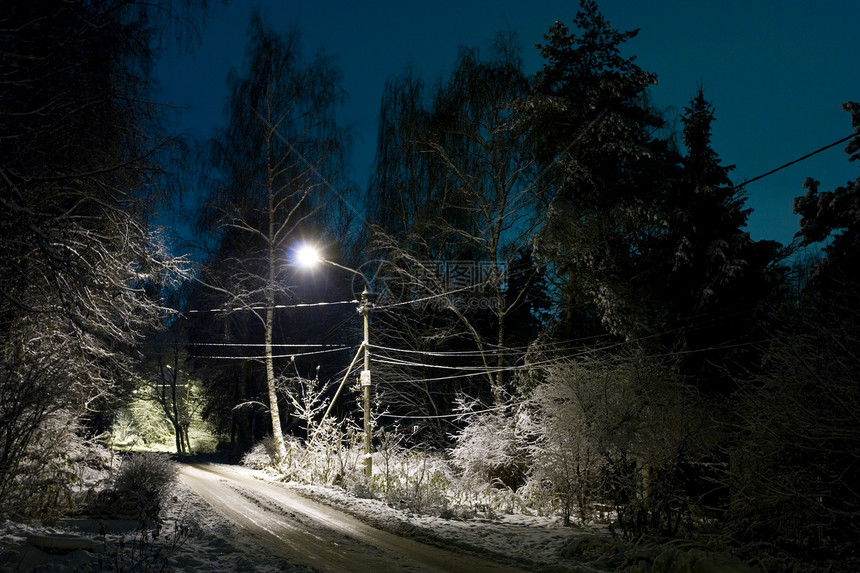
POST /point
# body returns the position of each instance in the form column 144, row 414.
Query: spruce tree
column 718, row 280
column 593, row 130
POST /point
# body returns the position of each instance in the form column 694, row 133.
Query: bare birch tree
column 466, row 212
column 273, row 168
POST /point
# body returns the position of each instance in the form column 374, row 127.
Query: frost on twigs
column 55, row 470
column 489, row 449
column 332, row 457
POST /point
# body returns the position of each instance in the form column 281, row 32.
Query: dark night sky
column 776, row 71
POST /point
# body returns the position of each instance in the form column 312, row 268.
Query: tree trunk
column 177, row 435
column 277, row 433
column 177, row 424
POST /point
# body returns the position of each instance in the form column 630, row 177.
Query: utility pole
column 365, row 384
column 307, row 256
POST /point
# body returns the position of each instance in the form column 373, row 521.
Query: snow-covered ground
column 536, row 542
column 541, row 544
column 193, row 538
column 197, row 538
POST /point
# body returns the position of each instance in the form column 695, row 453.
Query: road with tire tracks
column 314, row 534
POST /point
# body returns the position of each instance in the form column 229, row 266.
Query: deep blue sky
column 776, row 71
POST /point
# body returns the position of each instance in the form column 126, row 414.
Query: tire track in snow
column 308, row 532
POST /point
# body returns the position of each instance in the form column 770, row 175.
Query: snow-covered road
column 310, row 533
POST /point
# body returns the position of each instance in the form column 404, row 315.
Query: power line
column 494, row 352
column 259, row 345
column 262, row 357
column 444, row 416
column 431, row 297
column 465, row 371
column 277, row 306
column 798, row 160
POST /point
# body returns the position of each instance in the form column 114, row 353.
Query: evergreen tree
column 834, row 216
column 593, row 130
column 717, row 280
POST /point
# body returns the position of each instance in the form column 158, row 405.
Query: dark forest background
column 565, row 298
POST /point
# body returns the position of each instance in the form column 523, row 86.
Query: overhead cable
column 798, row 160
column 262, row 357
column 262, row 344
column 276, row 306
column 443, row 416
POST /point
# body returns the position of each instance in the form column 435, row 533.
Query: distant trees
column 274, row 167
column 80, row 159
column 794, row 473
column 454, row 208
column 167, row 383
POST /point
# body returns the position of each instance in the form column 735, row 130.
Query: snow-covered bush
column 566, row 464
column 57, row 467
column 389, row 450
column 412, row 478
column 349, row 456
column 142, row 486
column 332, row 456
column 261, row 456
column 614, row 434
column 321, row 460
column 489, row 449
column 491, row 462
column 492, row 459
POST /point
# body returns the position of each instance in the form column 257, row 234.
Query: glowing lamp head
column 307, row 256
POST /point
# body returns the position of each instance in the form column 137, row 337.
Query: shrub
column 142, row 485
column 58, row 464
column 332, row 457
column 490, row 450
column 261, row 456
column 411, row 478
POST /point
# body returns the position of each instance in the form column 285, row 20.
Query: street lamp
column 307, row 256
